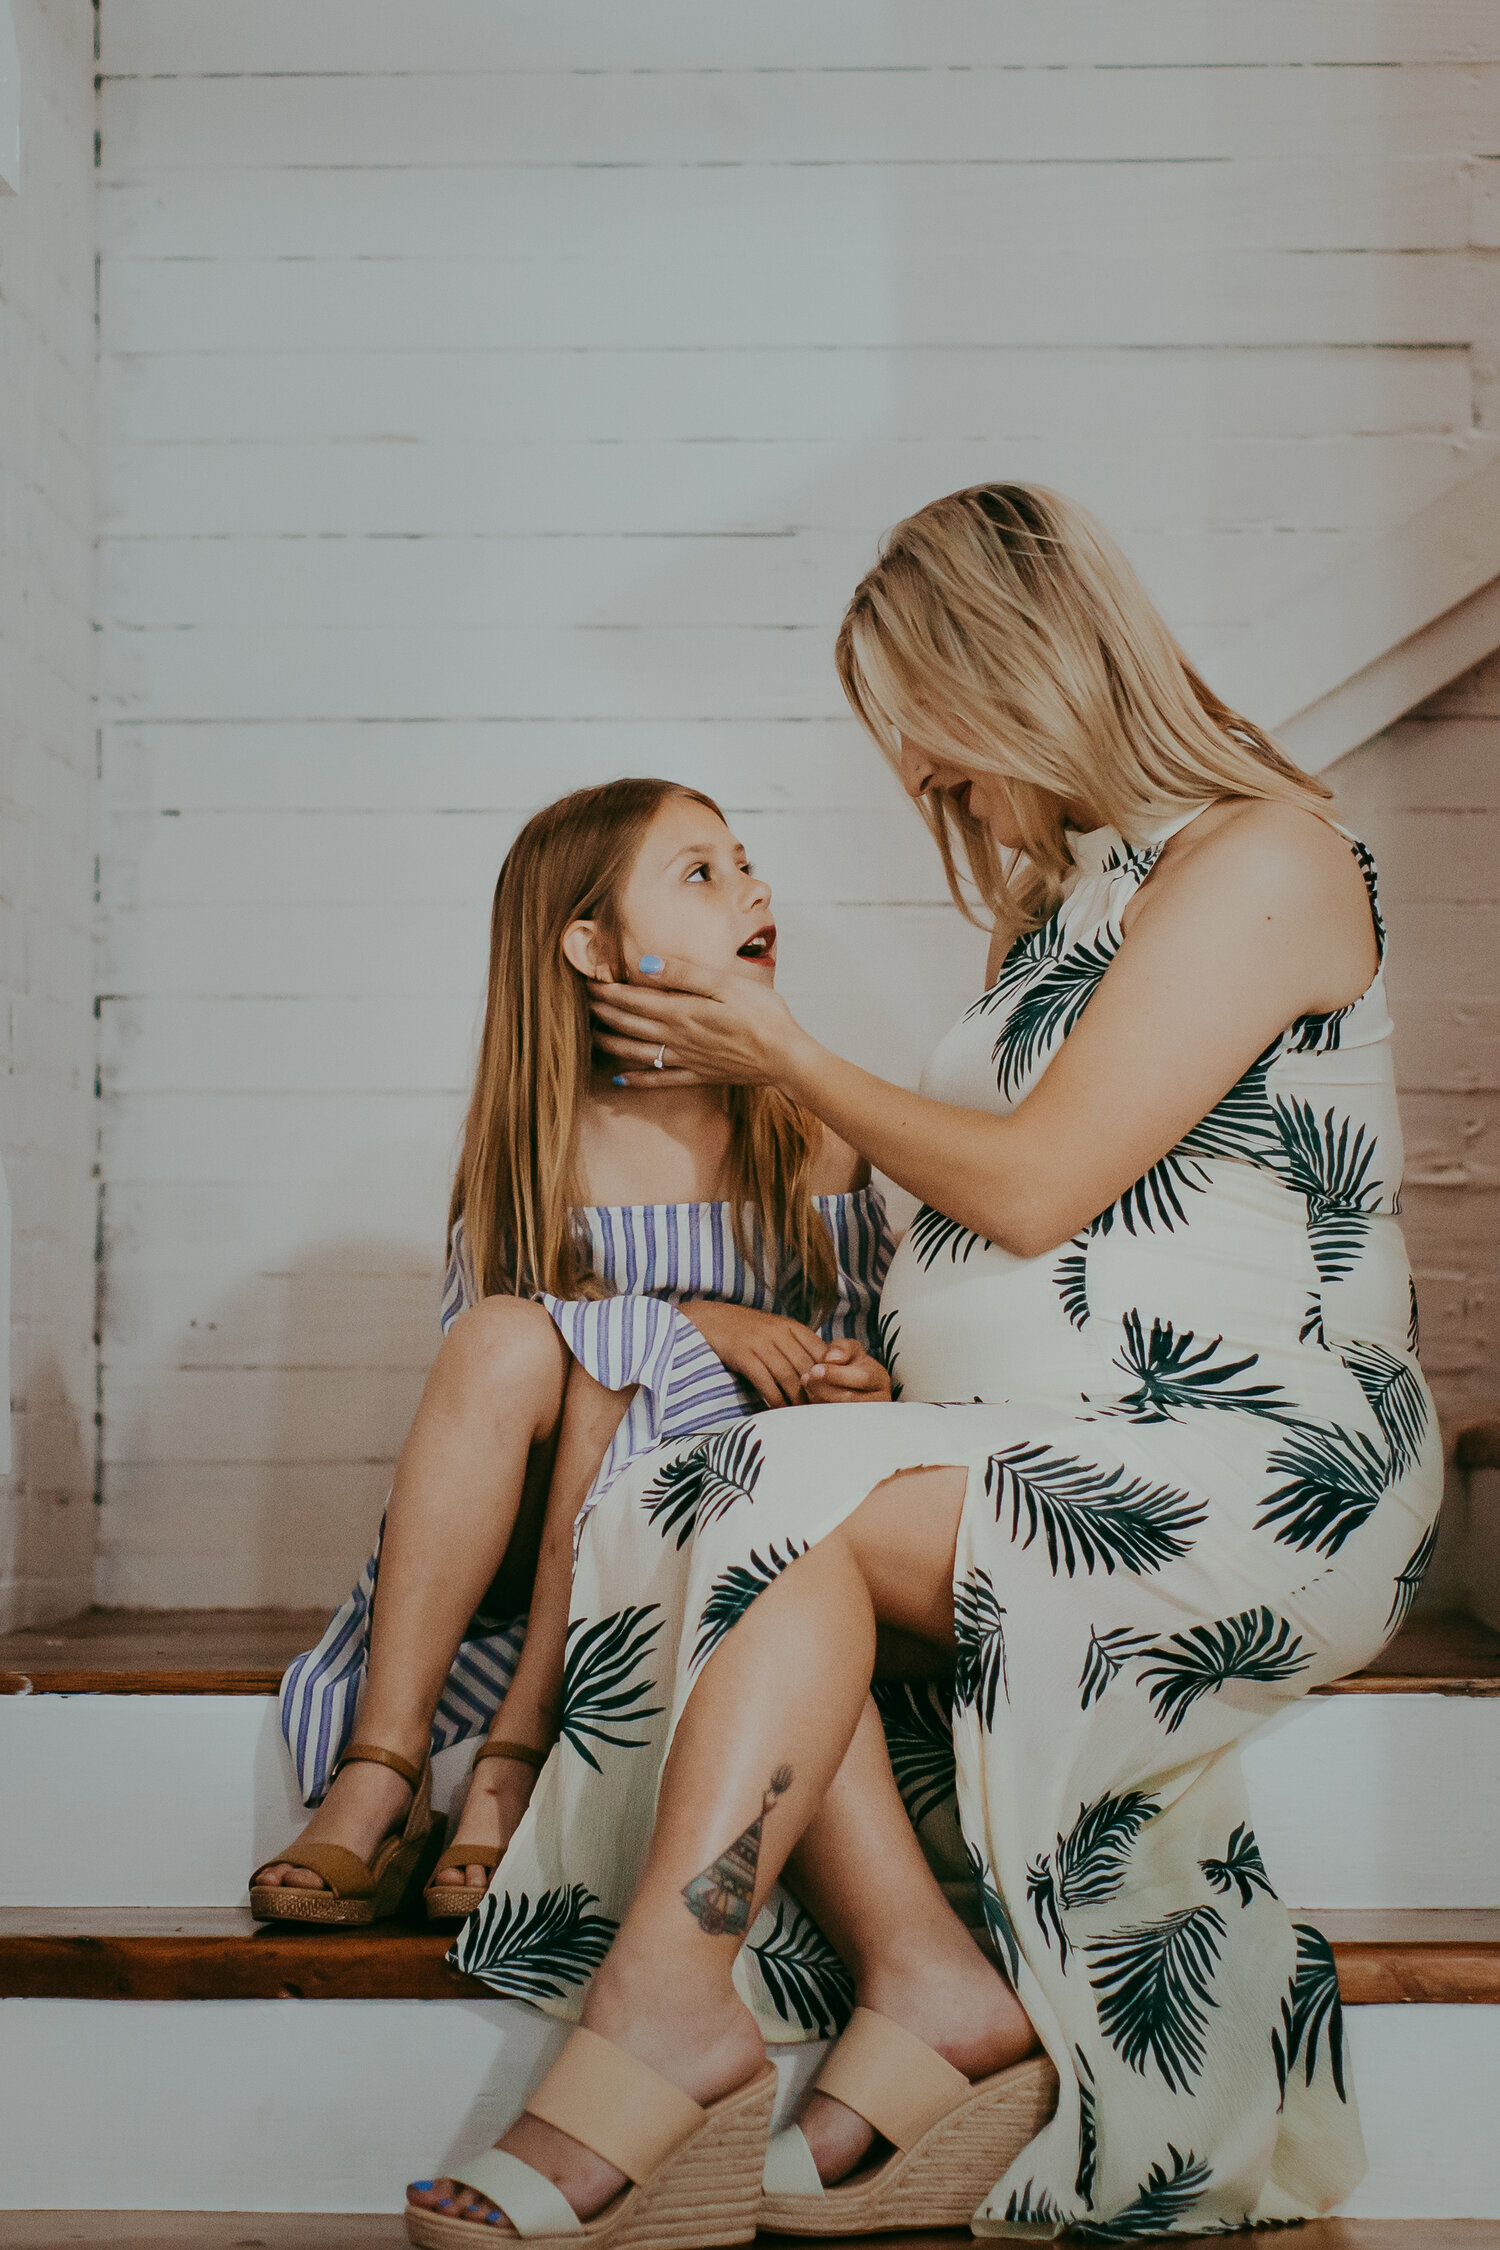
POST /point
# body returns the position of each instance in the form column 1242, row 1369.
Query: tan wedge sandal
column 695, row 2173
column 951, row 2140
column 455, row 1902
column 358, row 1891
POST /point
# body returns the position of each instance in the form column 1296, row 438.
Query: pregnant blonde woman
column 1163, row 1460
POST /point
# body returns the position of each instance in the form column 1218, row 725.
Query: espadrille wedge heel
column 695, row 2173
column 455, row 1902
column 951, row 2140
column 358, row 1891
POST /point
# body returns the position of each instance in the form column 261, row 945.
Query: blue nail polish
column 424, row 2187
column 494, row 2218
column 617, row 1081
column 652, row 964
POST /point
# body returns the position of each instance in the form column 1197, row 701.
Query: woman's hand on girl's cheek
column 845, row 1375
column 717, row 1028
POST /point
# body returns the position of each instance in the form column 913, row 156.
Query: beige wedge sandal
column 455, row 1902
column 951, row 2140
column 358, row 1890
column 695, row 2173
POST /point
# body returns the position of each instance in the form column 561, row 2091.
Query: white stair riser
column 332, row 2105
column 1358, row 1800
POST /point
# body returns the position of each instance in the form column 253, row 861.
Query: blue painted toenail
column 424, row 2187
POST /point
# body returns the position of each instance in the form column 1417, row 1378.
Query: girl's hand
column 846, row 1374
column 771, row 1352
column 718, row 1028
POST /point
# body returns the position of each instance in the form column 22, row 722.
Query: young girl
column 629, row 1268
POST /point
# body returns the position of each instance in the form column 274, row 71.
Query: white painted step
column 163, row 1800
column 332, row 2105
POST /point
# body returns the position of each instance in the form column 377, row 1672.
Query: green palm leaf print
column 1070, row 1279
column 1255, row 1645
column 996, row 1918
column 1171, row 1377
column 1409, row 1580
column 1155, row 1200
column 1049, row 1006
column 805, row 1979
column 1091, row 1859
column 888, row 1346
column 535, row 1952
column 1312, row 2007
column 919, row 1743
column 1152, row 1985
column 1106, row 1653
column 1041, row 1897
column 1331, row 1165
column 930, row 1234
column 704, row 1481
column 1088, row 2129
column 734, row 1590
column 1162, row 2197
column 1397, row 1399
column 1241, row 1868
column 1413, row 1320
column 604, row 1692
column 1091, row 1517
column 979, row 1639
column 1334, row 1479
column 1240, row 1126
column 1032, row 2206
column 1026, row 956
column 1316, row 1034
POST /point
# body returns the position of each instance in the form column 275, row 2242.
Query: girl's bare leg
column 756, row 1750
column 911, row 1957
column 500, row 1790
column 478, row 1456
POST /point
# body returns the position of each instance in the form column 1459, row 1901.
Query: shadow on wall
column 47, row 1516
column 253, row 1472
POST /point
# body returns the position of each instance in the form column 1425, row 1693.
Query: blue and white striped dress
column 652, row 1256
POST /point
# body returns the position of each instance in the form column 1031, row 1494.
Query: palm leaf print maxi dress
column 1203, row 1473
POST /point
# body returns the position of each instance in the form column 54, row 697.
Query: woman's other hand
column 772, row 1353
column 717, row 1028
column 846, row 1374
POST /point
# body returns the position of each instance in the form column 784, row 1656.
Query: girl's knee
column 506, row 1341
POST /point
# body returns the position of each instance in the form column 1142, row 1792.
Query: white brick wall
column 498, row 397
column 47, row 814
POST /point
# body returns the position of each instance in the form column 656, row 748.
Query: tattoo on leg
column 719, row 1898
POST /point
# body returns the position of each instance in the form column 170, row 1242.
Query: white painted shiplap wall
column 47, row 813
column 496, row 397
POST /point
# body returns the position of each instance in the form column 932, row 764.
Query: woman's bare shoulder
column 837, row 1169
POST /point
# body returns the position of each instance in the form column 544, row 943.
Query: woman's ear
column 585, row 950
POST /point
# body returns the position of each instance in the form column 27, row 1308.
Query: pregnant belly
column 983, row 1326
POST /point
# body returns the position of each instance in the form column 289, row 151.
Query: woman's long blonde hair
column 516, row 1188
column 1004, row 631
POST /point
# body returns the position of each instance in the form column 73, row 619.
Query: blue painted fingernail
column 494, row 2218
column 424, row 2187
column 617, row 1081
column 652, row 964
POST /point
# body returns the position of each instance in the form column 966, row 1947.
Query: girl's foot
column 961, row 2006
column 499, row 1792
column 706, row 2050
column 364, row 1803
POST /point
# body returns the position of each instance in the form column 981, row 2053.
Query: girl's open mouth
column 762, row 946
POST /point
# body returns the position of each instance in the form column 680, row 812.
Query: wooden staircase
column 145, row 1777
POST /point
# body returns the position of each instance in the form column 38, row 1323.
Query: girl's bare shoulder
column 837, row 1168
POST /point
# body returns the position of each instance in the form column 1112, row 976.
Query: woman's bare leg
column 478, row 1454
column 500, row 1790
column 911, row 1957
column 756, row 1750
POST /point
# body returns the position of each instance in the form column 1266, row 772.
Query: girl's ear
column 585, row 950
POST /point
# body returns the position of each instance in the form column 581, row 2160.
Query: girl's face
column 691, row 893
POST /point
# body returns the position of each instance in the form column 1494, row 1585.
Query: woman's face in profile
column 983, row 795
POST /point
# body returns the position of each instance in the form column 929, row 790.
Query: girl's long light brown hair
column 516, row 1187
column 1003, row 630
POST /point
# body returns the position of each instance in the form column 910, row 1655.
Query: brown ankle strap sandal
column 455, row 1902
column 358, row 1891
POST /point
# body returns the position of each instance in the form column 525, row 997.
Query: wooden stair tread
column 245, row 1652
column 1448, row 1956
column 322, row 2230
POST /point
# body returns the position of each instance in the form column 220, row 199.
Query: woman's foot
column 499, row 1792
column 363, row 1805
column 960, row 2005
column 707, row 2051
